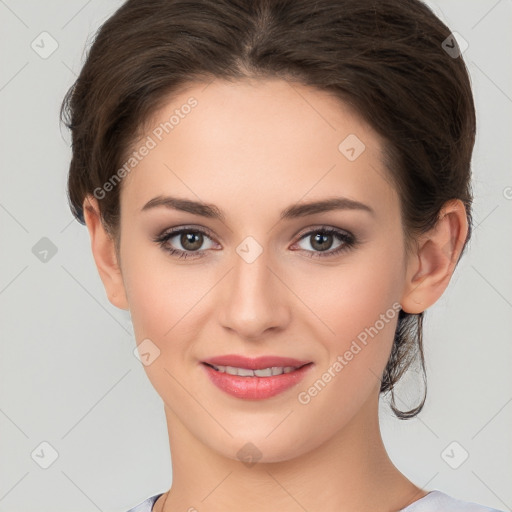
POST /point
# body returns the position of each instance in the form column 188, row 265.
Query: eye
column 190, row 239
column 322, row 239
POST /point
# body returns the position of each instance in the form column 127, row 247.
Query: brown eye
column 321, row 240
column 191, row 241
column 184, row 242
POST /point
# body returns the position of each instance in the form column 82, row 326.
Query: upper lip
column 254, row 363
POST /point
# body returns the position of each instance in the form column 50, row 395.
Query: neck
column 351, row 471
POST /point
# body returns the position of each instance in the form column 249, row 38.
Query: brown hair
column 384, row 57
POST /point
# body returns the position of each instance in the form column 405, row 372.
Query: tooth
column 265, row 372
column 245, row 372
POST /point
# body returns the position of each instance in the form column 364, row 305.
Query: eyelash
column 349, row 241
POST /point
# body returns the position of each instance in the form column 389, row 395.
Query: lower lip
column 255, row 388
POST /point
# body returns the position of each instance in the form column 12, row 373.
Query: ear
column 431, row 265
column 103, row 249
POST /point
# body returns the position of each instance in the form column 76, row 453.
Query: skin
column 254, row 148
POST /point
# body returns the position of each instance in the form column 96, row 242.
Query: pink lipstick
column 255, row 378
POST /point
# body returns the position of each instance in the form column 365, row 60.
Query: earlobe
column 104, row 253
column 432, row 264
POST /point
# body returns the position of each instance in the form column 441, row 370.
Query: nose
column 254, row 298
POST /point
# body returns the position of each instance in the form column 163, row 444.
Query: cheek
column 358, row 305
column 167, row 299
column 153, row 289
column 158, row 305
column 161, row 303
column 352, row 296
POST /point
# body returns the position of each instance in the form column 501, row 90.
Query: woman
column 276, row 190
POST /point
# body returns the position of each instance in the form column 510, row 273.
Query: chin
column 262, row 449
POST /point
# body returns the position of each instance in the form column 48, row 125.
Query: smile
column 255, row 384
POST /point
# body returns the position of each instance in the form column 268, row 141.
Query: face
column 319, row 286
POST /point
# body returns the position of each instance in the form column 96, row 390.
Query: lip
column 255, row 388
column 254, row 363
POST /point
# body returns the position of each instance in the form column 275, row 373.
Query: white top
column 434, row 501
column 146, row 505
column 437, row 501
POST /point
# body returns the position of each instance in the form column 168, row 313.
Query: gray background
column 68, row 376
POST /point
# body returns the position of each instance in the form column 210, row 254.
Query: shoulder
column 436, row 501
column 146, row 505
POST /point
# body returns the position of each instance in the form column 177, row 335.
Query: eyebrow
column 297, row 210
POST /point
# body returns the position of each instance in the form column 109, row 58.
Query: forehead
column 271, row 140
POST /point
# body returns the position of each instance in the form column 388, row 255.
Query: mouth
column 256, row 379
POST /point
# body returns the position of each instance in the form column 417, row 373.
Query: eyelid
column 178, row 229
column 322, row 227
